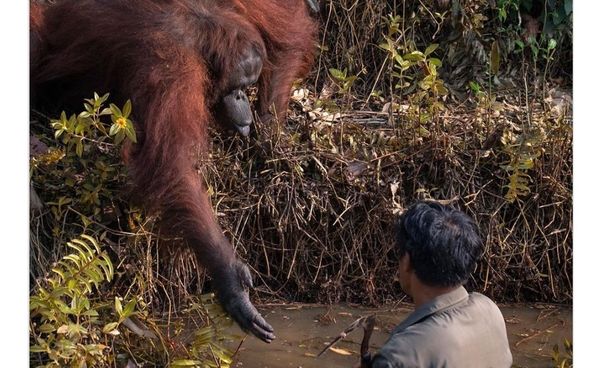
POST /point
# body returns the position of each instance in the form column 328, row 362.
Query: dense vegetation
column 467, row 103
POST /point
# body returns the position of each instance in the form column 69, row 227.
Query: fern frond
column 523, row 150
column 86, row 268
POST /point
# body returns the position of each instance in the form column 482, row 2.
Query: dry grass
column 310, row 204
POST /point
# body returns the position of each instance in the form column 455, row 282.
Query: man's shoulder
column 447, row 322
column 473, row 325
column 415, row 346
column 482, row 304
column 406, row 347
column 480, row 298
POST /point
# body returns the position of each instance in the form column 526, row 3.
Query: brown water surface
column 304, row 330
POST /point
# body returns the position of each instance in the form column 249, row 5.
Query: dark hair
column 443, row 243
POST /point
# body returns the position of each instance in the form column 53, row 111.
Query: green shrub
column 78, row 317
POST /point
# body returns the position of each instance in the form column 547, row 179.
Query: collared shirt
column 456, row 329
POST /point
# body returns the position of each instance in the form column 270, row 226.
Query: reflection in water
column 304, row 330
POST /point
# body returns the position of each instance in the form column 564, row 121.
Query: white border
column 14, row 105
column 586, row 15
column 14, row 218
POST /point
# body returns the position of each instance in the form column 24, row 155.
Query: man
column 439, row 247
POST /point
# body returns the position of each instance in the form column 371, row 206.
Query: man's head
column 442, row 244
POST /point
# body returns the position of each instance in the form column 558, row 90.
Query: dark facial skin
column 247, row 69
column 234, row 107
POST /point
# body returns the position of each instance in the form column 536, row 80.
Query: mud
column 304, row 330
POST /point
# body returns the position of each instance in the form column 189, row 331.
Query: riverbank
column 303, row 330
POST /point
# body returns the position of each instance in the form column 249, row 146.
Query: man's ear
column 405, row 263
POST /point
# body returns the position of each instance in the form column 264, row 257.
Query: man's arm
column 367, row 361
column 380, row 362
column 400, row 351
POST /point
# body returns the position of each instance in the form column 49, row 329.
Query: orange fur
column 159, row 53
column 290, row 37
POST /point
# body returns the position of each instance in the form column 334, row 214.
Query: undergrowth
column 84, row 310
column 408, row 100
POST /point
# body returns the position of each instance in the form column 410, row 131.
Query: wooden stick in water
column 367, row 323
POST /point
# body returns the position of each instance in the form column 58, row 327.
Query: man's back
column 456, row 329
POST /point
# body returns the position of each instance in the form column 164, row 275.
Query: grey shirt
column 456, row 329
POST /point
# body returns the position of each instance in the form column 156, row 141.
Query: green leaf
column 105, row 111
column 337, row 74
column 119, row 137
column 104, row 98
column 223, row 354
column 59, row 272
column 435, row 61
column 118, row 306
column 90, row 313
column 502, row 14
column 80, row 128
column 551, row 44
column 37, row 349
column 185, row 363
column 86, row 221
column 129, row 308
column 76, row 329
column 520, row 44
column 92, row 241
column 534, row 48
column 114, row 129
column 89, row 252
column 439, row 87
column 130, row 132
column 427, row 82
column 116, row 111
column 398, row 59
column 386, row 46
column 95, row 349
column 106, row 266
column 110, row 327
column 46, row 328
column 431, row 48
column 414, row 56
column 127, row 109
column 79, row 148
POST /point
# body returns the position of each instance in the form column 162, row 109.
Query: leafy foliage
column 74, row 325
column 522, row 150
column 66, row 325
column 78, row 318
column 207, row 349
column 414, row 74
column 81, row 174
column 346, row 81
column 542, row 32
column 563, row 360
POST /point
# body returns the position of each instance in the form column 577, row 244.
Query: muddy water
column 303, row 331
